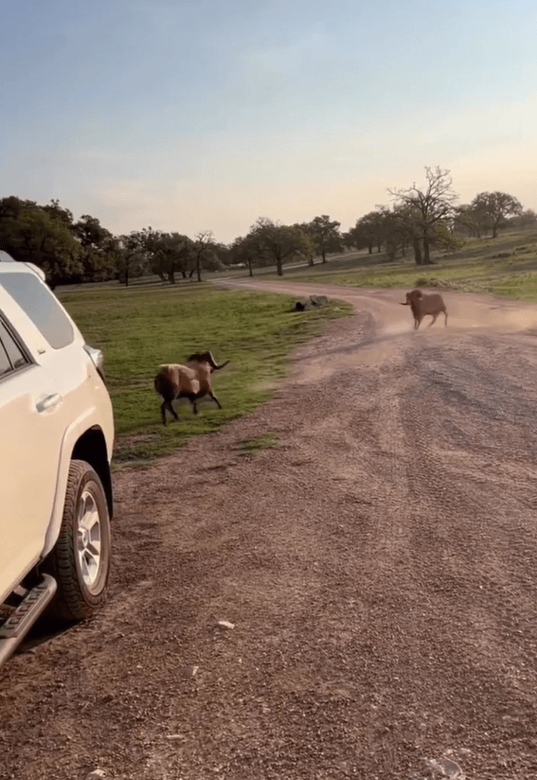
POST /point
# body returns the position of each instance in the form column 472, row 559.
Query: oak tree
column 427, row 209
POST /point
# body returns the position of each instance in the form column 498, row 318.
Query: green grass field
column 139, row 328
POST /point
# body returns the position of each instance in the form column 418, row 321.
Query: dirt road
column 376, row 567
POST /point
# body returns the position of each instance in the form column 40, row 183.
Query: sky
column 207, row 114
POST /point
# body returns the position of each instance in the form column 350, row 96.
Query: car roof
column 5, row 258
column 7, row 263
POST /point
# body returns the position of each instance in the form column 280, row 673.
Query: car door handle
column 48, row 402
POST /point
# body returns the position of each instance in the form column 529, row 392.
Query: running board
column 15, row 628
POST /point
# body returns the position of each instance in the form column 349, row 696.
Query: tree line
column 418, row 220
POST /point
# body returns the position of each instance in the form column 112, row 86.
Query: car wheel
column 80, row 561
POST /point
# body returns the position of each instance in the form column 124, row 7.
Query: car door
column 57, row 341
column 31, row 431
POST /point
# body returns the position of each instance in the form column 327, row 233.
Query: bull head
column 412, row 297
column 207, row 357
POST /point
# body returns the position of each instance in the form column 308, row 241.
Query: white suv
column 56, row 438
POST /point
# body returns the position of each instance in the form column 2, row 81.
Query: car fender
column 87, row 420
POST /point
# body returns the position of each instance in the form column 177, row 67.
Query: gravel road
column 357, row 600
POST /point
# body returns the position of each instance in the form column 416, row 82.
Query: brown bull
column 421, row 305
column 192, row 381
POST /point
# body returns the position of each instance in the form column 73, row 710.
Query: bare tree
column 202, row 244
column 428, row 208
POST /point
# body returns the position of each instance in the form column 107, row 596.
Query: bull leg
column 445, row 321
column 215, row 399
column 192, row 398
column 434, row 317
column 169, row 406
column 166, row 404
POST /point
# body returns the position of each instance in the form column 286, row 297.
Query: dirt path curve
column 379, row 568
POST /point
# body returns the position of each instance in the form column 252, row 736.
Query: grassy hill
column 506, row 265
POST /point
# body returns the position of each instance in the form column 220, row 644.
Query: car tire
column 80, row 561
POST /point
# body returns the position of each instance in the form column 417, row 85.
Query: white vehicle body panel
column 45, row 407
column 29, row 457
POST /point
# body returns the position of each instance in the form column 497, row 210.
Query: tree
column 446, row 240
column 90, row 232
column 31, row 233
column 245, row 249
column 374, row 226
column 353, row 238
column 325, row 235
column 204, row 253
column 398, row 230
column 526, row 219
column 279, row 243
column 132, row 257
column 368, row 231
column 54, row 210
column 387, row 227
column 222, row 253
column 100, row 249
column 168, row 253
column 468, row 221
column 496, row 206
column 428, row 208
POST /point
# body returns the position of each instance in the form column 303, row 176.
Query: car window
column 41, row 307
column 5, row 363
column 11, row 355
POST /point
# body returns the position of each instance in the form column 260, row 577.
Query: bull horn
column 213, row 362
column 404, row 304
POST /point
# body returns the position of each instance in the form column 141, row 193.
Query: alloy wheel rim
column 89, row 541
